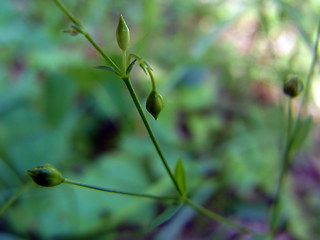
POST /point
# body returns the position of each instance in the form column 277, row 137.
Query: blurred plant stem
column 217, row 217
column 5, row 159
column 276, row 209
column 14, row 197
column 119, row 192
column 291, row 136
column 314, row 60
column 124, row 76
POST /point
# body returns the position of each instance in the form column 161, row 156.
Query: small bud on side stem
column 293, row 86
column 46, row 176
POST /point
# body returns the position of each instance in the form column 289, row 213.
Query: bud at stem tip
column 293, row 86
column 46, row 176
column 123, row 34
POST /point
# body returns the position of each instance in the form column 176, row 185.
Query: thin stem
column 10, row 166
column 275, row 213
column 217, row 217
column 310, row 72
column 153, row 139
column 124, row 61
column 14, row 197
column 290, row 119
column 291, row 134
column 69, row 15
column 118, row 192
column 152, row 79
column 79, row 27
column 95, row 45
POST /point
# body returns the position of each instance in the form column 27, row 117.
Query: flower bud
column 123, row 34
column 46, row 176
column 71, row 32
column 293, row 86
column 154, row 104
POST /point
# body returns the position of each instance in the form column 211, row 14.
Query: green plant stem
column 10, row 166
column 118, row 192
column 150, row 132
column 275, row 212
column 290, row 119
column 152, row 79
column 69, row 15
column 80, row 28
column 95, row 45
column 124, row 61
column 291, row 134
column 217, row 217
column 306, row 93
column 14, row 197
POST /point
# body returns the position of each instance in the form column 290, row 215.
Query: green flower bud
column 71, row 32
column 123, row 34
column 293, row 86
column 46, row 176
column 154, row 104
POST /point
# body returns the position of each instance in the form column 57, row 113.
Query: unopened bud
column 154, row 104
column 71, row 32
column 46, row 176
column 123, row 34
column 293, row 86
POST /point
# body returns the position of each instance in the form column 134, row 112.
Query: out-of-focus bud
column 123, row 34
column 71, row 32
column 46, row 176
column 293, row 86
column 154, row 104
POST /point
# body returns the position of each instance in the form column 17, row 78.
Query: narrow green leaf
column 180, row 176
column 301, row 133
column 166, row 215
column 129, row 68
column 108, row 68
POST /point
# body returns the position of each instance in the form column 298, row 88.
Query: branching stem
column 136, row 101
column 80, row 28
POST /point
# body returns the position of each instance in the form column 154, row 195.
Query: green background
column 219, row 66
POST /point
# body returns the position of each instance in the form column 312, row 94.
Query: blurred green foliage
column 219, row 66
